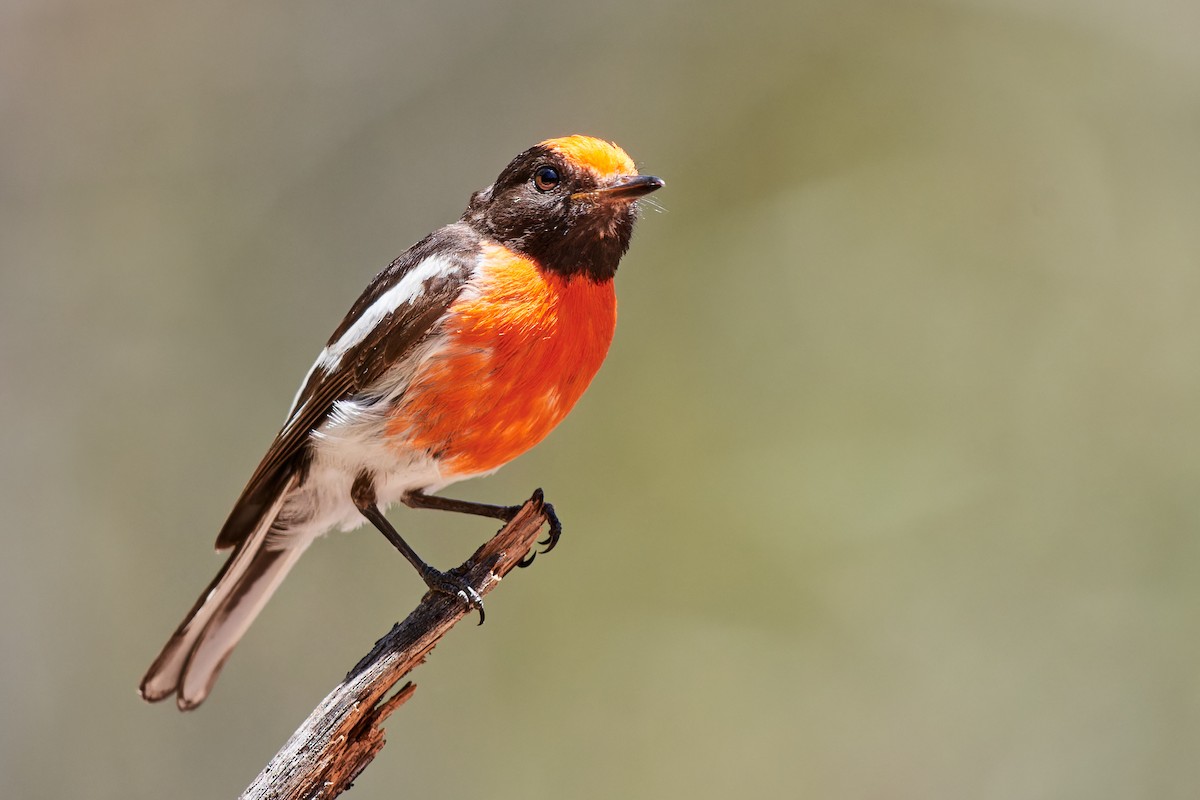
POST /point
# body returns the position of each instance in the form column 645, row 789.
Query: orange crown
column 598, row 155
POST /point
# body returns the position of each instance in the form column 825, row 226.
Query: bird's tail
column 190, row 662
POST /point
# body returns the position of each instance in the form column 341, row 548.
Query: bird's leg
column 418, row 499
column 363, row 495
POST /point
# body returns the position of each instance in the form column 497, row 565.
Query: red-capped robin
column 460, row 355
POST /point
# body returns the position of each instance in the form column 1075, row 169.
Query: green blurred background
column 887, row 490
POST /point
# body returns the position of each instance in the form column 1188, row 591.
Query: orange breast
column 521, row 349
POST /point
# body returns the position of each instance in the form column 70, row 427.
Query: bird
column 462, row 354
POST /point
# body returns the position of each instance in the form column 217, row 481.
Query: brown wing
column 390, row 324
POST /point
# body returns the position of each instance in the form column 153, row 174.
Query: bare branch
column 342, row 734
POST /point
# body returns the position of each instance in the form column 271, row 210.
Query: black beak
column 626, row 188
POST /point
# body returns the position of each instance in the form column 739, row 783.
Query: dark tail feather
column 190, row 662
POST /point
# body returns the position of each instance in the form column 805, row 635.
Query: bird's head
column 568, row 203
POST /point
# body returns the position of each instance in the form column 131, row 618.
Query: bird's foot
column 454, row 585
column 554, row 534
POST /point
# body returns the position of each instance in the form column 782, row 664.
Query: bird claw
column 552, row 537
column 455, row 586
column 556, row 530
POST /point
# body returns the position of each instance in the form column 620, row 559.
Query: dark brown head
column 568, row 203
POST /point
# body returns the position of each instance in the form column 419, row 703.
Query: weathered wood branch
column 342, row 734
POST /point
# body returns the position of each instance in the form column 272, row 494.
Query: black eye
column 546, row 178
